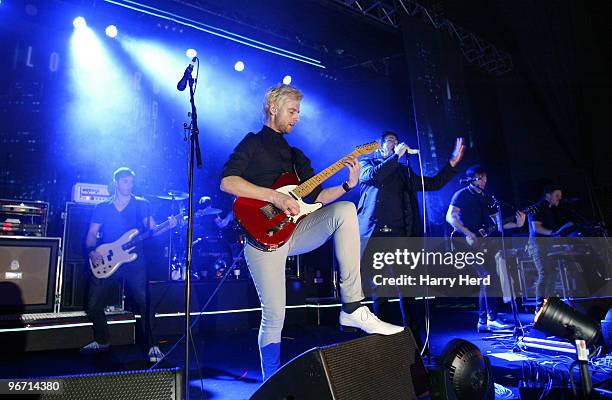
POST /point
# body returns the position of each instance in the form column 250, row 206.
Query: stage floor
column 229, row 363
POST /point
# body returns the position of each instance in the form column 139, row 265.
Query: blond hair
column 278, row 95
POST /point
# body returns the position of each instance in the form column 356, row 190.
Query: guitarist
column 251, row 170
column 110, row 220
column 471, row 209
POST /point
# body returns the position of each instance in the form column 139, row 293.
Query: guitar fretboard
column 309, row 185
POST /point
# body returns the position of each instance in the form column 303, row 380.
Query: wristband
column 346, row 187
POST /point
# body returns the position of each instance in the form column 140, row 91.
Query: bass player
column 110, row 220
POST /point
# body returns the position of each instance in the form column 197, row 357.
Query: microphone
column 411, row 151
column 182, row 84
column 468, row 180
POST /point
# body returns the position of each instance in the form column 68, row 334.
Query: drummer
column 210, row 223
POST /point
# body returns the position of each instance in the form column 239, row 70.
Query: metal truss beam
column 475, row 50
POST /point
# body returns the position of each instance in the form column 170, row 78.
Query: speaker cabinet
column 161, row 384
column 28, row 268
column 76, row 223
column 75, row 266
column 368, row 368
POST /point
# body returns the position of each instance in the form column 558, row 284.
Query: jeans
column 134, row 275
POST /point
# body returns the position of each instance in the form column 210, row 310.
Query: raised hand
column 520, row 219
column 458, row 152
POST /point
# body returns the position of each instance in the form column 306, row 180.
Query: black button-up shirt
column 262, row 157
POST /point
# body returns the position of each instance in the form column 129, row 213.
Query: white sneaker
column 94, row 347
column 497, row 324
column 155, row 354
column 365, row 320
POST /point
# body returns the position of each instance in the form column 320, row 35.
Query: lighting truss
column 476, row 51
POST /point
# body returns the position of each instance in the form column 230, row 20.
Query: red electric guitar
column 268, row 226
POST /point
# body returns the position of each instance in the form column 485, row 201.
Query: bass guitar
column 268, row 226
column 117, row 253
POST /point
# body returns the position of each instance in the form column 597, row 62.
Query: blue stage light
column 239, row 66
column 287, row 80
column 175, row 18
column 111, row 31
column 190, row 53
column 79, row 22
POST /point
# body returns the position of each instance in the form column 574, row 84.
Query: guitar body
column 265, row 223
column 114, row 255
column 486, row 231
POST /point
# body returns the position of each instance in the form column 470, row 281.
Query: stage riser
column 63, row 338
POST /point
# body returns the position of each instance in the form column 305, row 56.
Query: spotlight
column 190, row 53
column 79, row 22
column 287, row 79
column 111, row 31
column 557, row 318
column 239, row 66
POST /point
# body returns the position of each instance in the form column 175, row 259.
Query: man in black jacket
column 388, row 205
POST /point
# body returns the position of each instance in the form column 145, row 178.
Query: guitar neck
column 493, row 228
column 152, row 232
column 309, row 185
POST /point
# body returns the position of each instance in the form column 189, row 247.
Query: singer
column 388, row 204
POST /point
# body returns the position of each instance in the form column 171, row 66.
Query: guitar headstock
column 367, row 148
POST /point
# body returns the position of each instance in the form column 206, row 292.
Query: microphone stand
column 194, row 149
column 500, row 227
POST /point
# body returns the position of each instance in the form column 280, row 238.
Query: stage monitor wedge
column 157, row 384
column 368, row 368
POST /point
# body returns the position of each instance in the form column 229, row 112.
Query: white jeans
column 268, row 268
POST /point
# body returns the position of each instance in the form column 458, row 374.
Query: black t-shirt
column 262, row 157
column 475, row 208
column 548, row 216
column 115, row 223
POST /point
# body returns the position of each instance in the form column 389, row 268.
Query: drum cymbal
column 208, row 211
column 173, row 195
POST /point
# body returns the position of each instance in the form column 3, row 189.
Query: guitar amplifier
column 28, row 268
column 89, row 193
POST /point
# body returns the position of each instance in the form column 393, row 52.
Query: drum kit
column 217, row 243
